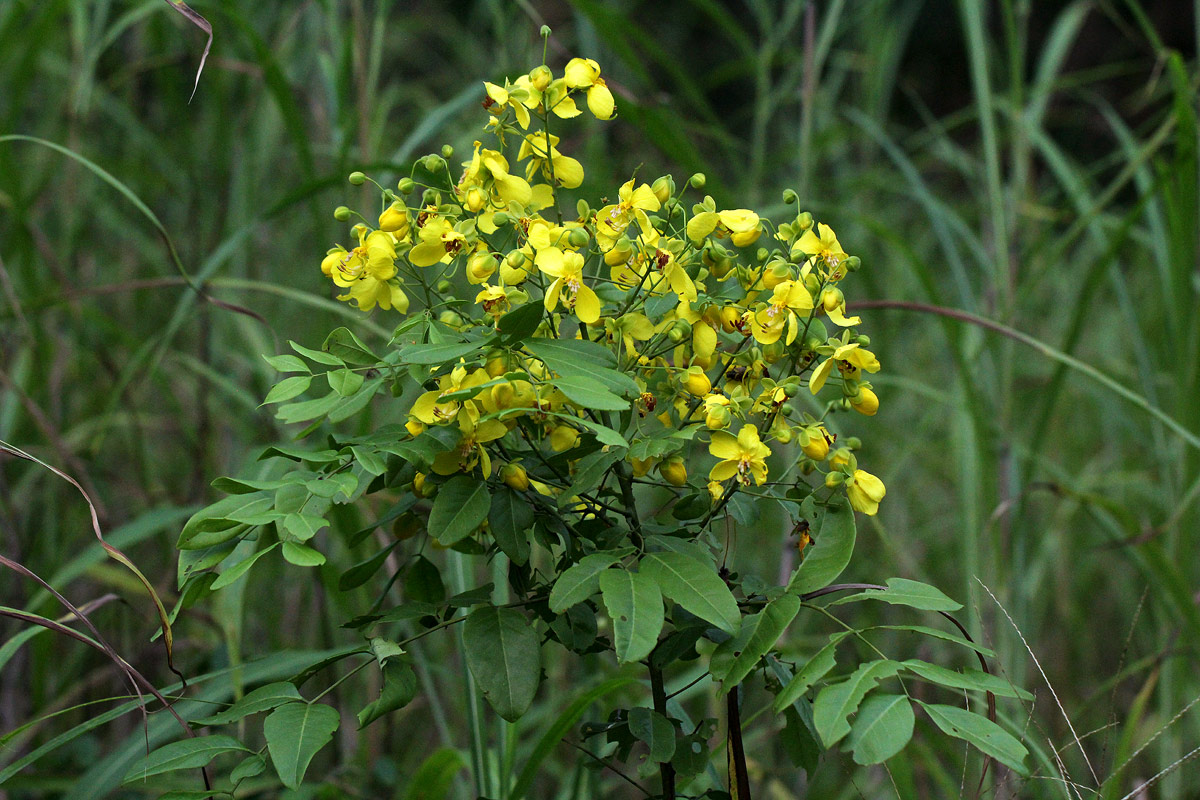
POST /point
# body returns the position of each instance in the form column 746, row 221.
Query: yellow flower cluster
column 712, row 321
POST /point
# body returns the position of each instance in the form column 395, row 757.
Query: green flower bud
column 500, row 218
column 790, row 197
column 443, row 286
column 515, row 259
column 663, row 187
column 863, row 340
column 540, row 77
column 853, row 442
column 450, row 318
column 358, row 178
column 545, row 31
column 834, row 479
column 432, row 162
column 447, row 151
column 804, row 220
column 852, row 264
column 341, row 213
column 762, row 254
column 406, row 185
column 698, row 180
column 577, row 238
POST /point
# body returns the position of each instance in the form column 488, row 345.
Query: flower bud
column 814, row 443
column 853, row 442
column 863, row 340
column 420, row 487
column 790, row 197
column 698, row 180
column 342, row 213
column 681, row 330
column 406, row 185
column 663, row 187
column 805, row 220
column 415, row 427
column 776, row 273
column 433, row 162
column 852, row 263
column 450, row 318
column 544, row 32
column 563, row 438
column 834, row 479
column 839, row 458
column 500, row 219
column 865, row 402
column 358, row 178
column 577, row 238
column 443, row 286
column 774, row 351
column 497, row 364
column 641, row 466
column 475, row 200
column 515, row 477
column 540, row 76
column 718, row 417
column 832, row 297
column 447, row 151
column 394, row 219
column 674, row 471
column 696, row 382
column 480, row 266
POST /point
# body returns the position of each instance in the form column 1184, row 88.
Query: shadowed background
column 1032, row 164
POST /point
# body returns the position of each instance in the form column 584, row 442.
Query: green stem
column 660, row 705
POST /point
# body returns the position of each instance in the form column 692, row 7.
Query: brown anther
column 662, row 258
column 453, row 246
column 422, row 218
column 488, row 102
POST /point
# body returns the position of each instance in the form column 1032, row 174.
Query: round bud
column 432, row 162
column 663, row 187
column 698, row 180
column 406, row 185
column 762, row 254
column 341, row 213
column 790, row 197
column 545, row 31
column 577, row 238
column 447, row 151
column 450, row 318
column 540, row 77
column 863, row 340
column 431, row 197
column 853, row 442
column 805, row 220
column 515, row 259
column 443, row 286
column 674, row 471
column 791, row 389
column 852, row 264
column 358, row 178
column 834, row 480
column 787, row 411
column 515, row 477
column 500, row 218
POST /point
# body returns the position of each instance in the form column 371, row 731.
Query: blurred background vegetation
column 1031, row 164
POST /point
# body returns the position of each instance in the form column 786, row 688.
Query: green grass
column 1056, row 196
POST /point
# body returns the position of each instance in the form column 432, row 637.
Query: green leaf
column 504, row 655
column 985, row 735
column 635, row 605
column 399, row 688
column 385, row 650
column 288, row 388
column 287, row 363
column 655, row 730
column 836, row 703
column 970, row 679
column 833, row 544
column 248, row 768
column 510, row 519
column 520, row 323
column 232, row 573
column 187, row 754
column 308, row 409
column 589, row 471
column 295, row 733
column 302, row 555
column 316, row 355
column 590, row 393
column 759, row 633
column 264, row 698
column 345, row 381
column 903, row 592
column 695, row 586
column 303, row 527
column 369, row 459
column 343, row 344
column 361, row 572
column 576, row 358
column 459, row 508
column 437, row 353
column 582, row 580
column 559, row 729
column 813, row 670
column 435, row 777
column 328, row 486
column 883, row 726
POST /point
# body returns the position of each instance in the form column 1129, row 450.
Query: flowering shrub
column 591, row 402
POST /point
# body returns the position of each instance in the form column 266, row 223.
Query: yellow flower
column 395, row 221
column 439, row 242
column 716, row 412
column 470, row 449
column 366, row 271
column 696, row 382
column 742, row 225
column 864, row 491
column 567, row 271
column 823, row 250
column 515, row 477
column 566, row 171
column 584, row 73
column 834, row 303
column 488, row 170
column 814, row 441
column 613, row 219
column 431, row 409
column 494, row 300
column 742, row 456
column 769, row 322
column 631, row 328
column 481, row 264
column 852, row 356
